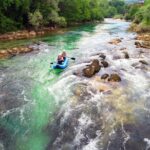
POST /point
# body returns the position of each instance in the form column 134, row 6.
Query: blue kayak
column 61, row 66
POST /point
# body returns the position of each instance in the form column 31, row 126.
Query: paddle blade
column 73, row 58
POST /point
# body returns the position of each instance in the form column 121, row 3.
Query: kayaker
column 64, row 55
column 60, row 59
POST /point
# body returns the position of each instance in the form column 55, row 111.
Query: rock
column 102, row 56
column 92, row 69
column 96, row 65
column 104, row 76
column 138, row 44
column 126, row 55
column 144, row 37
column 4, row 54
column 105, row 64
column 14, row 51
column 115, row 41
column 143, row 62
column 114, row 78
column 89, row 71
column 123, row 48
column 116, row 57
column 144, row 44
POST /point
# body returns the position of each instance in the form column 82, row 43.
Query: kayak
column 61, row 66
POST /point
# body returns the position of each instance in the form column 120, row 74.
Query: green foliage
column 119, row 5
column 18, row 14
column 112, row 11
column 81, row 10
column 140, row 15
column 132, row 10
column 7, row 24
column 36, row 19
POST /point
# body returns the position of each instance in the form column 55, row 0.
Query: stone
column 144, row 44
column 102, row 56
column 32, row 33
column 143, row 62
column 4, row 54
column 138, row 44
column 126, row 55
column 105, row 64
column 104, row 76
column 115, row 41
column 114, row 78
column 91, row 69
column 14, row 51
column 116, row 57
column 123, row 48
column 96, row 65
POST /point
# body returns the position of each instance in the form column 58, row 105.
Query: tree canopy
column 20, row 14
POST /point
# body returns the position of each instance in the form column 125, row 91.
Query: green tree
column 36, row 19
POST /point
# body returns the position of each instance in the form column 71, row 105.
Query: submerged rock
column 115, row 41
column 105, row 76
column 114, row 78
column 143, row 62
column 116, row 57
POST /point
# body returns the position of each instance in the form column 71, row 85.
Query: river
column 41, row 108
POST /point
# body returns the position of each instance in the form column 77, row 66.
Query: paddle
column 67, row 57
column 72, row 58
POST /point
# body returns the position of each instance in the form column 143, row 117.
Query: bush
column 7, row 25
column 61, row 22
column 36, row 19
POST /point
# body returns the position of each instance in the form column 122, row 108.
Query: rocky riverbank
column 8, row 53
column 26, row 34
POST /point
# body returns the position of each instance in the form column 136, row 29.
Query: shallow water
column 46, row 109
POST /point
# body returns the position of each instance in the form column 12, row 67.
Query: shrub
column 36, row 19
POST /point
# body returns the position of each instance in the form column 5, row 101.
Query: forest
column 22, row 14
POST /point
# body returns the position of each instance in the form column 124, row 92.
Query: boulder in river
column 126, row 55
column 138, row 44
column 102, row 56
column 143, row 62
column 105, row 64
column 92, row 69
column 115, row 41
column 144, row 44
column 14, row 51
column 114, row 78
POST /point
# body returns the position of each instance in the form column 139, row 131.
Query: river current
column 45, row 109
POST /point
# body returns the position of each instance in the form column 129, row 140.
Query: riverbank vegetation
column 35, row 14
column 140, row 15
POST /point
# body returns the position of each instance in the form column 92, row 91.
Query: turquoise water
column 45, row 109
column 26, row 80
